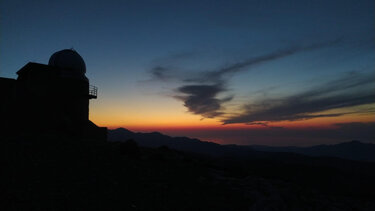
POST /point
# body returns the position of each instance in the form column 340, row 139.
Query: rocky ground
column 52, row 173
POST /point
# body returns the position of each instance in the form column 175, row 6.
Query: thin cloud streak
column 352, row 90
column 200, row 94
column 159, row 73
column 219, row 74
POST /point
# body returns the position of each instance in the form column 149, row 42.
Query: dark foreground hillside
column 52, row 173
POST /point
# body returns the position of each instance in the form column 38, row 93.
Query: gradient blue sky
column 123, row 41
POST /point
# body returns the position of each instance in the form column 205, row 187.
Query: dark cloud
column 219, row 74
column 202, row 99
column 165, row 69
column 265, row 124
column 160, row 73
column 351, row 90
column 201, row 96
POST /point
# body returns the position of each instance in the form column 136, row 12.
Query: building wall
column 7, row 89
column 52, row 102
column 43, row 101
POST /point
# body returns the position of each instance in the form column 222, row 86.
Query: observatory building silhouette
column 50, row 99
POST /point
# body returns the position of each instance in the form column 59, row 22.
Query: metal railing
column 93, row 91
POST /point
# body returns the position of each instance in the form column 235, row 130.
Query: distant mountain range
column 353, row 150
column 156, row 139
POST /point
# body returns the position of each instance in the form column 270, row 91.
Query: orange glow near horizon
column 142, row 118
column 322, row 123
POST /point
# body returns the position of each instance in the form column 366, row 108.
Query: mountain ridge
column 352, row 150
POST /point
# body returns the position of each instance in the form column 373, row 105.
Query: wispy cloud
column 352, row 90
column 202, row 99
column 160, row 73
column 221, row 73
column 200, row 92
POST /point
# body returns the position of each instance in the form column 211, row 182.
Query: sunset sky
column 232, row 72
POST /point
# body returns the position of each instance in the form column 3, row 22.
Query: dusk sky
column 231, row 72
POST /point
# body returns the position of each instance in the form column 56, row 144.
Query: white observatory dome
column 68, row 60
